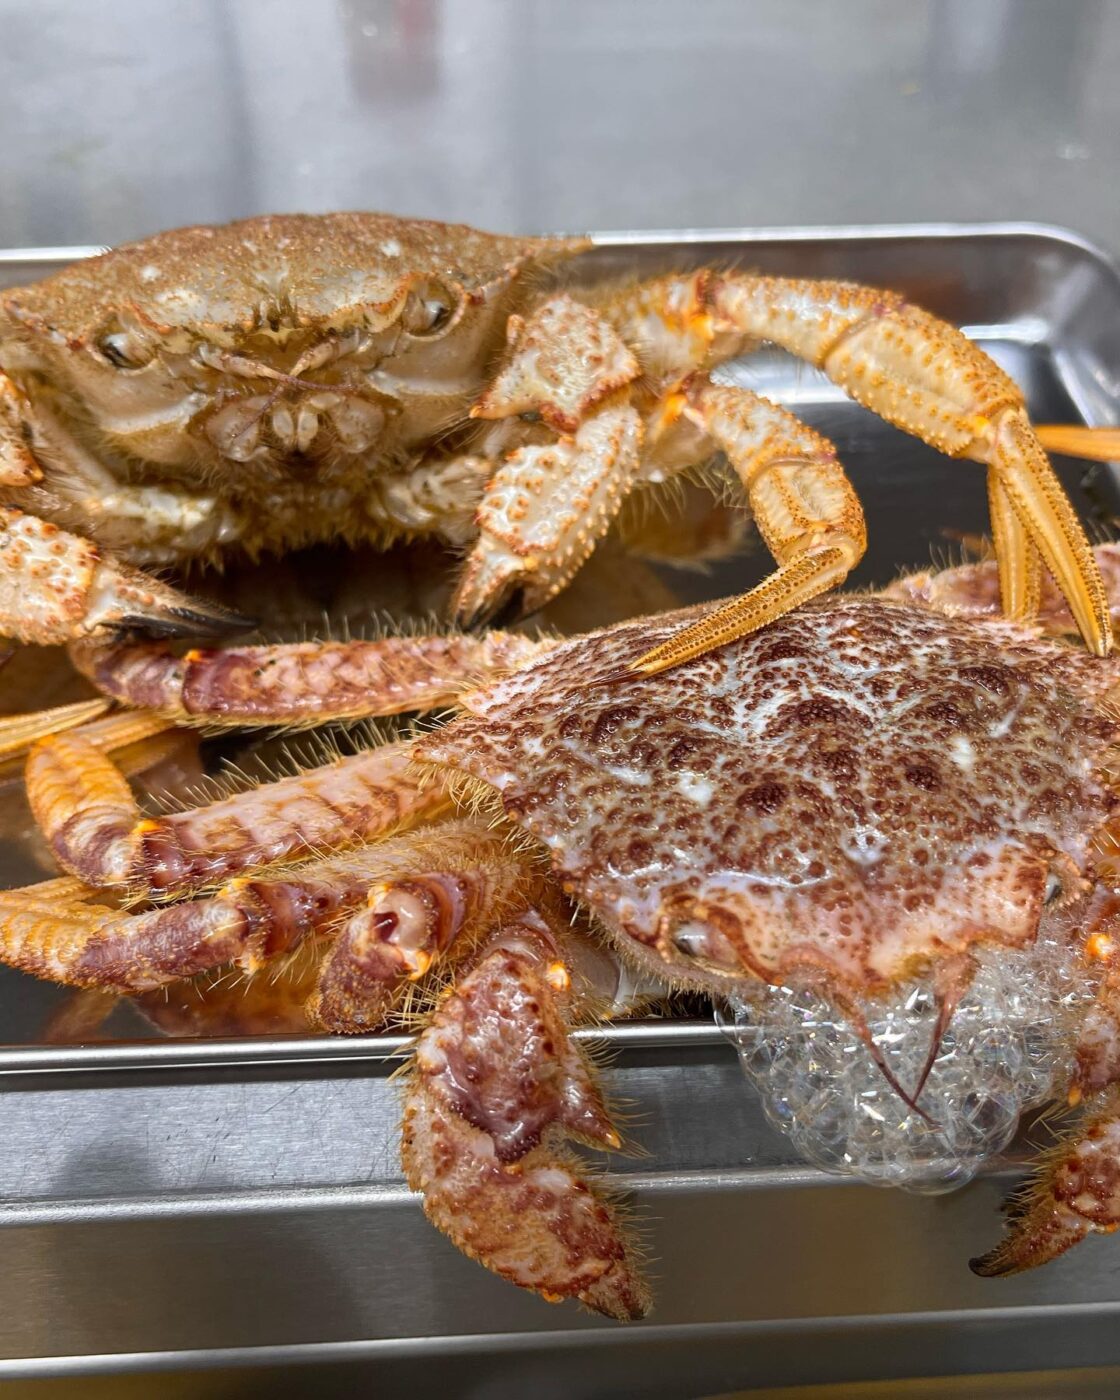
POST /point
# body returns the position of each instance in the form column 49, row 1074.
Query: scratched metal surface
column 204, row 1203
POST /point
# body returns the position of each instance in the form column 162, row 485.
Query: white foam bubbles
column 1008, row 1048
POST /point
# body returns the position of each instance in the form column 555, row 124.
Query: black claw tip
column 189, row 620
column 510, row 609
column 503, row 611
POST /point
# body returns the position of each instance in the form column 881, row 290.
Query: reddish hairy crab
column 881, row 833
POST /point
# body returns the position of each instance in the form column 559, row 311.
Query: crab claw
column 544, row 511
column 183, row 617
column 495, row 1086
column 56, row 586
column 493, row 592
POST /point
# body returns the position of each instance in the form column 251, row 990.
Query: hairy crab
column 290, row 379
column 881, row 833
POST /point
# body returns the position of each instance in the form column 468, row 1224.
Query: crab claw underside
column 56, row 587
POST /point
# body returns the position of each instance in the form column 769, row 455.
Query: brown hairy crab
column 290, row 379
column 881, row 833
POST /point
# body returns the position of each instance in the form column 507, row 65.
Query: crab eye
column 122, row 348
column 429, row 309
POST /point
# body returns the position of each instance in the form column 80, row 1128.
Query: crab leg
column 19, row 731
column 87, row 813
column 1075, row 1193
column 928, row 379
column 302, row 682
column 803, row 504
column 1078, row 440
column 439, row 890
column 914, row 371
column 55, row 586
column 55, row 930
column 1017, row 558
column 495, row 1087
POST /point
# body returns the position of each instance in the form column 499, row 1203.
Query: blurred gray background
column 117, row 119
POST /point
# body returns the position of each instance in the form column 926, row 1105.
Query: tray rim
column 352, row 1053
column 750, row 233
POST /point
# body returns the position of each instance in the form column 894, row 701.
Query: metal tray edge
column 793, row 233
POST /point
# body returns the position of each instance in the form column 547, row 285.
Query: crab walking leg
column 803, row 504
column 495, row 1087
column 17, row 732
column 55, row 586
column 913, row 370
column 929, row 379
column 87, row 812
column 1017, row 558
column 1076, row 1192
column 55, row 930
column 439, row 891
column 302, row 682
column 1079, row 440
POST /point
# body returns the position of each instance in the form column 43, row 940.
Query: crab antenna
column 945, row 1009
column 863, row 1030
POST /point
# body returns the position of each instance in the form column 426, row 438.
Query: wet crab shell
column 326, row 270
column 858, row 790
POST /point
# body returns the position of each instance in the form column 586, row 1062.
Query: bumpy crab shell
column 321, row 270
column 878, row 832
column 858, row 791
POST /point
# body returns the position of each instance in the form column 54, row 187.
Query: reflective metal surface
column 202, row 1203
column 120, row 119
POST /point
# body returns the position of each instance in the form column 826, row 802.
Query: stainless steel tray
column 205, row 1203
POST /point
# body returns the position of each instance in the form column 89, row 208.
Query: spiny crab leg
column 495, row 1087
column 303, row 682
column 18, row 731
column 803, row 504
column 1076, row 1192
column 1018, row 560
column 1079, row 440
column 929, row 379
column 438, row 892
column 55, row 930
column 86, row 810
column 917, row 373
